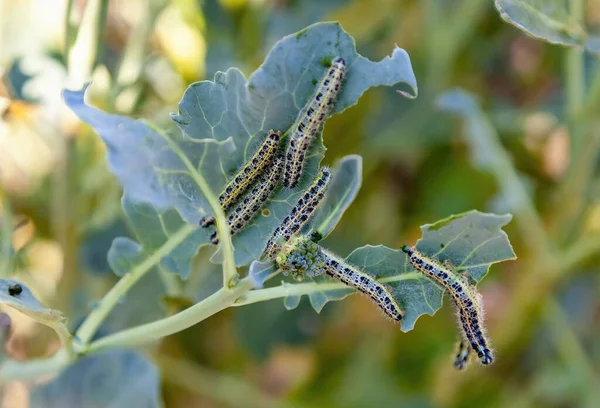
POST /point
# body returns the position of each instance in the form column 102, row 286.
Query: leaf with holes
column 223, row 121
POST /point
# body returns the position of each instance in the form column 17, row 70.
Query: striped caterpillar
column 256, row 198
column 299, row 214
column 352, row 276
column 302, row 257
column 467, row 300
column 310, row 120
column 247, row 174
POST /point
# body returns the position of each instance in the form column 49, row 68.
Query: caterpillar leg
column 462, row 357
column 207, row 221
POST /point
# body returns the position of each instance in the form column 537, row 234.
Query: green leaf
column 19, row 297
column 260, row 272
column 153, row 228
column 111, row 379
column 548, row 20
column 473, row 241
column 345, row 182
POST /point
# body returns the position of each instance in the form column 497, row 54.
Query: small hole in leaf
column 266, row 212
column 14, row 290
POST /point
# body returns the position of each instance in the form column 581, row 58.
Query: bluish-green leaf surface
column 26, row 303
column 223, row 121
column 547, row 20
column 472, row 241
column 153, row 228
column 111, row 379
column 345, row 182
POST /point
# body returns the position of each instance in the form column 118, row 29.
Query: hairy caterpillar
column 256, row 198
column 352, row 276
column 466, row 298
column 310, row 120
column 247, row 175
column 300, row 213
column 303, row 257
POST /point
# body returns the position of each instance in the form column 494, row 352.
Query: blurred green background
column 542, row 99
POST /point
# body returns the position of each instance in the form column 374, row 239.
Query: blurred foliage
column 536, row 108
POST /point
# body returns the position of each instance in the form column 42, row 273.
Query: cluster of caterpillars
column 249, row 190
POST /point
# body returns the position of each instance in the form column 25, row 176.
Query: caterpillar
column 299, row 214
column 256, row 198
column 352, row 276
column 310, row 120
column 247, row 175
column 302, row 257
column 466, row 298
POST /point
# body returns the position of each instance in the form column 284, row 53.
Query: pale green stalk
column 6, row 240
column 91, row 324
column 146, row 333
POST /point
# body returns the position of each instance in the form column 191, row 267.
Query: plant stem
column 584, row 139
column 6, row 238
column 12, row 370
column 230, row 275
column 299, row 289
column 572, row 353
column 132, row 62
column 146, row 333
column 583, row 248
column 68, row 27
column 221, row 388
column 110, row 300
column 82, row 55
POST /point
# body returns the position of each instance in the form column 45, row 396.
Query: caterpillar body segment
column 465, row 296
column 245, row 210
column 245, row 177
column 300, row 213
column 310, row 120
column 379, row 293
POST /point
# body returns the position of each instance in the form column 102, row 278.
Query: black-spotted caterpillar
column 468, row 304
column 254, row 200
column 299, row 214
column 302, row 257
column 246, row 176
column 310, row 120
